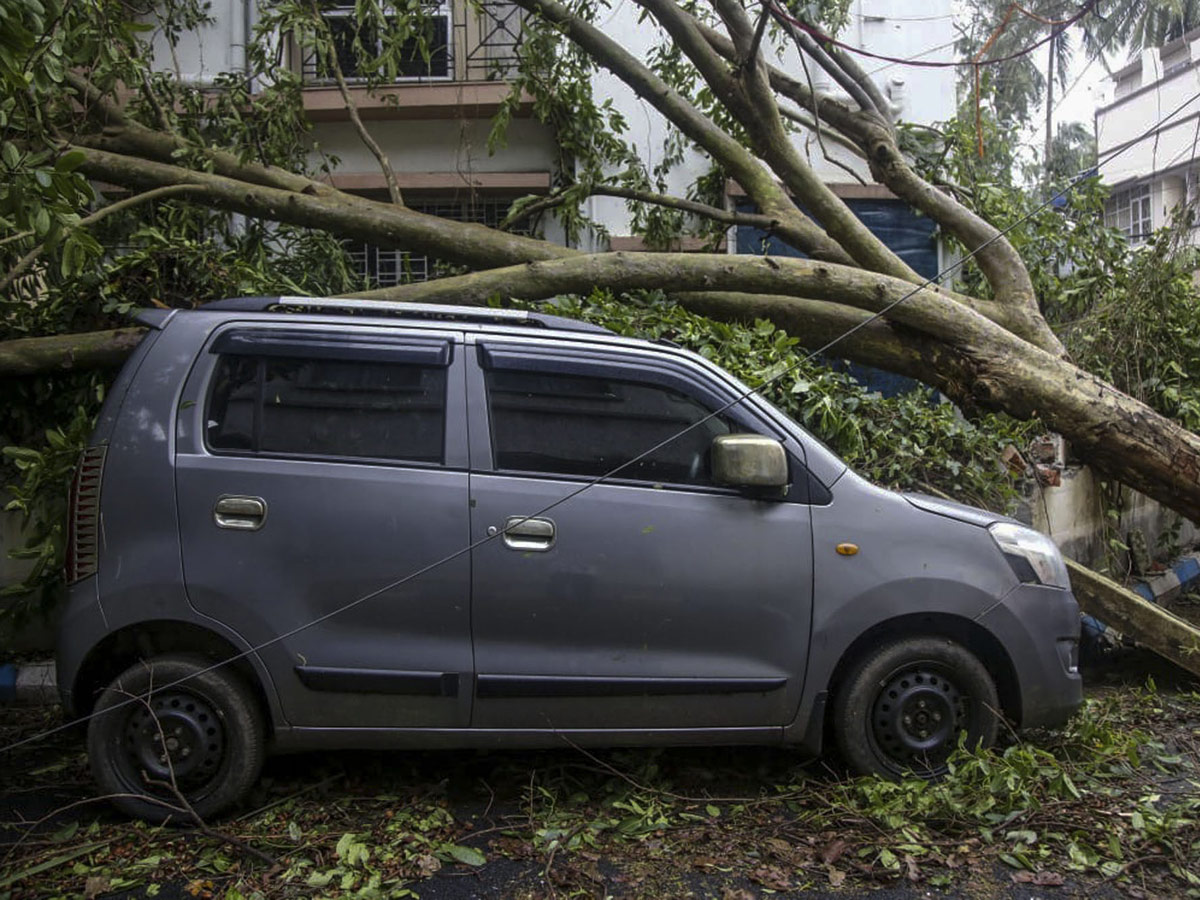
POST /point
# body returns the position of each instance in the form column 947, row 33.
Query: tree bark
column 67, row 352
column 1166, row 634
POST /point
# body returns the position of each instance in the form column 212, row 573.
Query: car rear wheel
column 904, row 709
column 169, row 727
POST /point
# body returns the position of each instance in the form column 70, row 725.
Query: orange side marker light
column 847, row 549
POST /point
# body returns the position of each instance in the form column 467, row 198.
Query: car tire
column 210, row 721
column 903, row 709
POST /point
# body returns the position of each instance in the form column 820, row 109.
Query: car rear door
column 317, row 469
column 654, row 600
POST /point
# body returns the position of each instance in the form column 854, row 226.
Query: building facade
column 433, row 123
column 1155, row 173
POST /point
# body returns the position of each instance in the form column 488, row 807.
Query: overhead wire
column 741, row 397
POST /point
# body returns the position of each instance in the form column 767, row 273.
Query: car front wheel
column 904, row 708
column 172, row 739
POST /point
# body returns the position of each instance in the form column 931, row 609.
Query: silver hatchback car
column 316, row 523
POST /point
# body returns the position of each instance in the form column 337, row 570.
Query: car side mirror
column 749, row 460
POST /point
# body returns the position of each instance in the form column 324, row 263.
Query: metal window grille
column 491, row 52
column 347, row 31
column 386, row 266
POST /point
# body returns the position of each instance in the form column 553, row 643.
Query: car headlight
column 1033, row 556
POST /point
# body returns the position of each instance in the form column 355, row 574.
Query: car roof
column 424, row 312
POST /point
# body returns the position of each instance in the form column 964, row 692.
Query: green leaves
column 466, row 855
column 10, row 154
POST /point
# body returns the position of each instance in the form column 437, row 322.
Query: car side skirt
column 294, row 740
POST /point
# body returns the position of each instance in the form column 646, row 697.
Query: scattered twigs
column 562, row 843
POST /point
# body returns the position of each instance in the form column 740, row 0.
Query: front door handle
column 524, row 533
column 240, row 513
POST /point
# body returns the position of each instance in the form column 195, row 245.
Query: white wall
column 439, row 145
column 1075, row 514
column 202, row 54
column 1131, row 116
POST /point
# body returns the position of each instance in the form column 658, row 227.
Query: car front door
column 652, row 600
column 317, row 469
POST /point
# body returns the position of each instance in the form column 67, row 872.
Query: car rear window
column 303, row 406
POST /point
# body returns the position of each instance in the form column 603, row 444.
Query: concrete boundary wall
column 1074, row 512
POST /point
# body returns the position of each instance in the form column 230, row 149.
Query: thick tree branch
column 353, row 217
column 810, row 48
column 750, row 100
column 847, row 63
column 737, row 23
column 120, row 134
column 67, row 352
column 741, row 165
column 999, row 261
column 694, row 207
column 930, row 311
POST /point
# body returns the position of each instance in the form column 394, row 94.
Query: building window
column 351, row 35
column 1128, row 211
column 386, row 266
column 1128, row 84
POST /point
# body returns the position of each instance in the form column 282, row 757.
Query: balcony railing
column 464, row 41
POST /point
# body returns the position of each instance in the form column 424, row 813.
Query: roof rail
column 385, row 308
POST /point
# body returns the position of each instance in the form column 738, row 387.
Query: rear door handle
column 523, row 533
column 240, row 513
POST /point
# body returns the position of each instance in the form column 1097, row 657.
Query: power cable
column 957, row 264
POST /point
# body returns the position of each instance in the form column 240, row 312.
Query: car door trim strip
column 378, row 681
column 510, row 686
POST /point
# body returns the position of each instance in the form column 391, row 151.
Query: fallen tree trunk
column 68, row 352
column 1152, row 626
column 972, row 359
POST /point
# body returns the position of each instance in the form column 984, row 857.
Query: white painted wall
column 439, row 145
column 1074, row 514
column 1132, row 115
column 202, row 54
